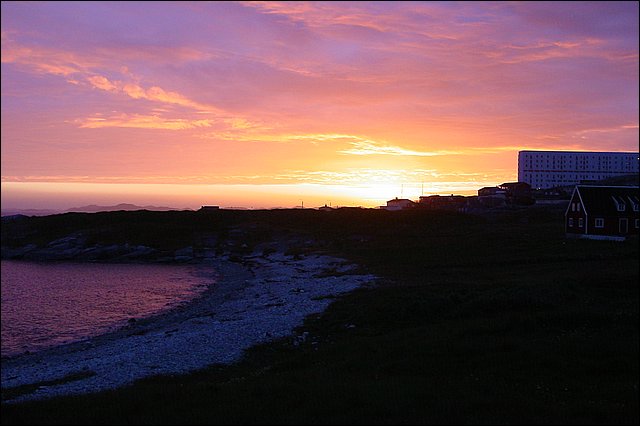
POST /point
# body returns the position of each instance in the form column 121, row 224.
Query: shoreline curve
column 263, row 298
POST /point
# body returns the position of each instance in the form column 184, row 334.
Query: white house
column 399, row 204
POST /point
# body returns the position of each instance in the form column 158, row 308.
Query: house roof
column 397, row 200
column 509, row 184
column 604, row 200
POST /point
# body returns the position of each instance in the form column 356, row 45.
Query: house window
column 578, row 207
column 580, row 222
column 573, row 207
column 570, row 222
column 637, row 223
column 599, row 222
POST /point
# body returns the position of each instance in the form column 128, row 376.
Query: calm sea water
column 47, row 304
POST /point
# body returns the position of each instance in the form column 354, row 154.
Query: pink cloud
column 102, row 83
column 143, row 122
column 262, row 89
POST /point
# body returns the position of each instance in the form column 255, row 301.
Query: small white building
column 399, row 204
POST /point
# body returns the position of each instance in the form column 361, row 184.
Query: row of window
column 541, row 180
column 570, row 176
column 599, row 223
column 579, row 160
column 580, row 222
column 577, row 157
column 582, row 164
column 621, row 204
column 565, row 177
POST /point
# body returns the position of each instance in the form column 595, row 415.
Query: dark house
column 518, row 193
column 489, row 191
column 442, row 202
column 509, row 193
column 603, row 212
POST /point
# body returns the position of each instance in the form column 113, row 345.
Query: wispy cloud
column 42, row 60
column 78, row 68
column 157, row 94
column 154, row 93
column 350, row 176
column 313, row 92
column 622, row 128
column 102, row 83
column 366, row 147
column 137, row 121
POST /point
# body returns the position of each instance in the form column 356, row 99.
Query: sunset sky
column 267, row 104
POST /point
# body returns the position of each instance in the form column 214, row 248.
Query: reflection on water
column 49, row 304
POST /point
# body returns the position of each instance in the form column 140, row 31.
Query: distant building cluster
column 509, row 193
column 602, row 211
column 593, row 212
column 435, row 202
column 548, row 169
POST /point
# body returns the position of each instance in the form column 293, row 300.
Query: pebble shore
column 254, row 301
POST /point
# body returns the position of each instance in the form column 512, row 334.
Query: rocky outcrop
column 75, row 248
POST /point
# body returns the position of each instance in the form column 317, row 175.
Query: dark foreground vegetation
column 477, row 320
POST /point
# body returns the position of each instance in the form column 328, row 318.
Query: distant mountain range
column 84, row 209
column 29, row 212
column 123, row 206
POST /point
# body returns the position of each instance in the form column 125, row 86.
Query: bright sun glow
column 268, row 104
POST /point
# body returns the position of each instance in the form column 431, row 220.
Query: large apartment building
column 548, row 169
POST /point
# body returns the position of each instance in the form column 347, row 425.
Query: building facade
column 548, row 169
column 603, row 212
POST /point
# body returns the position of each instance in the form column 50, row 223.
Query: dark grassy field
column 477, row 320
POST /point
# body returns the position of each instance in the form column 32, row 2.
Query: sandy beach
column 253, row 301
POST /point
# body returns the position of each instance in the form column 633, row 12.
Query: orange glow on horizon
column 260, row 104
column 64, row 195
